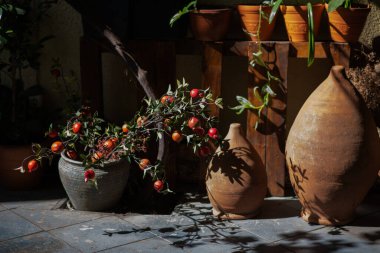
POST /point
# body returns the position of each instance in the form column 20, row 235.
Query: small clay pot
column 250, row 16
column 210, row 25
column 236, row 179
column 346, row 25
column 332, row 151
column 296, row 21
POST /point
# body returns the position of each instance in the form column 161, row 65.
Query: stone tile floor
column 36, row 222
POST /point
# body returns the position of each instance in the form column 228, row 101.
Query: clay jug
column 236, row 179
column 250, row 19
column 332, row 151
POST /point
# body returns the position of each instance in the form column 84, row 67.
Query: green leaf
column 239, row 108
column 267, row 89
column 256, row 93
column 218, row 103
column 242, row 100
column 274, row 10
column 258, row 58
column 311, row 44
column 3, row 40
column 20, row 11
column 334, row 4
column 188, row 8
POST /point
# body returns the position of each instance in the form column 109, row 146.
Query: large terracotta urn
column 236, row 179
column 332, row 151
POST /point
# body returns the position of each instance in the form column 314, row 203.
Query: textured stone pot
column 332, row 151
column 111, row 181
column 346, row 25
column 210, row 25
column 250, row 16
column 296, row 21
column 236, row 179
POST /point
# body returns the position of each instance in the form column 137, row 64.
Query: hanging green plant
column 265, row 93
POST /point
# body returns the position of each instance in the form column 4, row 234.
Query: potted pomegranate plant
column 99, row 153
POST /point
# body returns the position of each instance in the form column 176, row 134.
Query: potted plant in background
column 21, row 113
column 254, row 17
column 302, row 21
column 346, row 19
column 207, row 24
column 99, row 153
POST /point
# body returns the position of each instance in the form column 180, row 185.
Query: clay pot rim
column 79, row 163
column 358, row 7
column 296, row 8
column 252, row 6
column 210, row 11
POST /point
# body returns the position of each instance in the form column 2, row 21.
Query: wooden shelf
column 159, row 59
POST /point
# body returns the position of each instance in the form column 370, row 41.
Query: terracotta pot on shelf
column 250, row 16
column 296, row 21
column 236, row 179
column 111, row 181
column 210, row 25
column 332, row 151
column 346, row 25
column 12, row 157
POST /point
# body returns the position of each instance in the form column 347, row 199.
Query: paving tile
column 366, row 228
column 369, row 205
column 2, row 208
column 32, row 204
column 159, row 222
column 40, row 242
column 327, row 240
column 12, row 225
column 272, row 229
column 38, row 199
column 276, row 208
column 146, row 246
column 194, row 209
column 51, row 219
column 100, row 234
column 259, row 248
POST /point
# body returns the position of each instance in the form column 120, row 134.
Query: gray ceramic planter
column 111, row 181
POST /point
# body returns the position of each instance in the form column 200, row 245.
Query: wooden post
column 269, row 137
column 212, row 70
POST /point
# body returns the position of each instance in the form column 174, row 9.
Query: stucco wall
column 65, row 24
